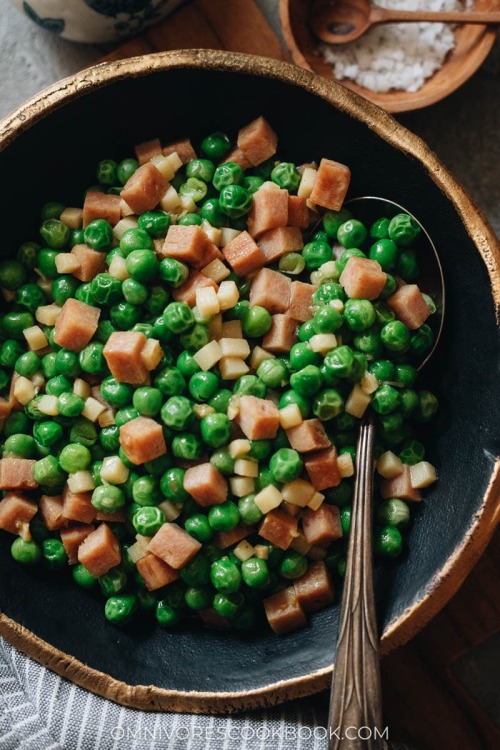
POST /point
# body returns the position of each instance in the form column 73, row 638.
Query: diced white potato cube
column 151, row 354
column 228, row 295
column 81, row 388
column 24, row 390
column 244, row 550
column 170, row 200
column 136, row 552
column 389, row 465
column 129, row 222
column 307, row 182
column 422, row 475
column 298, row 492
column 72, row 217
column 260, row 550
column 207, row 302
column 234, row 406
column 187, row 204
column 125, row 209
column 171, row 510
column 234, row 347
column 66, row 263
column 290, row 416
column 175, row 161
column 47, row 314
column 38, row 380
column 44, row 284
column 243, row 467
column 300, row 544
column 143, row 541
column 241, row 486
column 231, row 329
column 345, row 465
column 113, row 470
column 216, row 270
column 81, row 481
column 369, row 383
column 118, row 268
column 240, row 447
column 337, row 305
column 92, row 409
column 213, row 234
column 322, row 342
column 164, row 165
column 268, row 498
column 232, row 368
column 48, row 405
column 106, row 419
column 215, row 327
column 35, row 338
column 227, row 235
column 203, row 410
column 316, row 501
column 23, row 529
column 328, row 269
column 259, row 355
column 358, row 401
column 208, row 356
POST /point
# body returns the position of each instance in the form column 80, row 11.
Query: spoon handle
column 356, row 698
column 384, row 15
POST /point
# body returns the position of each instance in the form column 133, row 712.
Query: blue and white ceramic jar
column 95, row 21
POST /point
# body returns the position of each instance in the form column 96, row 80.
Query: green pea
column 148, row 520
column 27, row 254
column 46, row 262
column 48, row 473
column 235, row 201
column 172, row 485
column 328, row 404
column 188, row 220
column 142, row 265
column 212, row 212
column 82, row 577
column 112, row 582
column 54, row 555
column 228, row 173
column 352, row 233
column 215, row 430
column 316, row 253
column 197, row 571
column 352, row 252
column 409, row 402
column 252, row 183
column 388, row 541
column 307, row 381
column 292, row 397
column 30, row 296
column 198, row 597
column 187, row 447
column 15, row 322
column 135, row 239
column 250, row 513
column 359, row 314
column 98, row 235
column 383, row 369
column 12, row 274
column 116, row 394
column 70, row 405
column 225, row 576
column 84, row 294
column 195, row 338
column 179, row 317
column 285, row 465
column 83, row 432
column 173, row 272
column 20, row 445
column 327, row 320
column 202, row 169
column 328, row 292
column 379, row 230
column 52, row 210
column 340, row 361
column 126, row 169
column 203, row 385
column 408, row 266
column 155, row 223
column 412, row 452
column 216, row 145
column 386, row 399
column 340, row 495
column 394, row 512
column 146, row 491
column 198, row 527
column 74, row 457
column 385, row 252
column 167, row 616
column 121, row 608
column 301, row 356
column 293, row 565
column 427, row 406
column 125, row 415
column 250, row 385
column 194, row 189
column 273, row 372
column 47, row 433
column 107, row 498
column 224, row 517
column 220, row 402
column 395, row 336
column 54, row 233
column 106, row 173
column 228, row 605
column 286, row 175
column 292, row 264
column 177, row 413
column 26, row 553
column 404, row 230
column 26, row 365
column 223, row 462
column 105, row 289
column 421, row 341
column 333, row 220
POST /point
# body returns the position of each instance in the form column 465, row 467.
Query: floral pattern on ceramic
column 95, row 21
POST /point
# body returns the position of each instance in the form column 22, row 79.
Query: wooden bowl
column 472, row 45
column 104, row 111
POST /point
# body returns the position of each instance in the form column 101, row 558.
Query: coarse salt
column 396, row 56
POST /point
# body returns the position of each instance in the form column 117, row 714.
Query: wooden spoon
column 342, row 21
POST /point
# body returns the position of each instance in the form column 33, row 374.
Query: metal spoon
column 342, row 21
column 356, row 698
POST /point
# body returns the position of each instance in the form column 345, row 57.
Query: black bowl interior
column 55, row 159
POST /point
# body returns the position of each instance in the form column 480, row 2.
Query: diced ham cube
column 225, row 539
column 174, row 545
column 91, row 262
column 123, row 356
column 184, row 150
column 210, row 254
column 187, row 291
column 258, row 141
column 155, row 572
column 331, row 184
column 101, row 206
column 259, row 418
column 186, row 243
column 213, row 619
column 278, row 242
column 5, row 408
column 76, row 324
column 284, row 612
column 236, row 156
column 118, row 517
column 243, row 254
column 144, row 189
column 205, row 484
column 322, row 469
column 362, row 278
column 16, row 511
column 145, row 151
column 282, row 335
column 77, row 506
column 269, row 210
column 409, row 306
column 400, row 487
column 142, row 440
column 73, row 537
column 51, row 511
column 314, row 589
column 14, row 404
column 301, row 300
column 279, row 528
column 308, row 436
column 322, row 526
column 271, row 290
column 17, row 474
column 298, row 213
column 100, row 551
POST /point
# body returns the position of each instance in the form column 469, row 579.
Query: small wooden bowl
column 472, row 45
